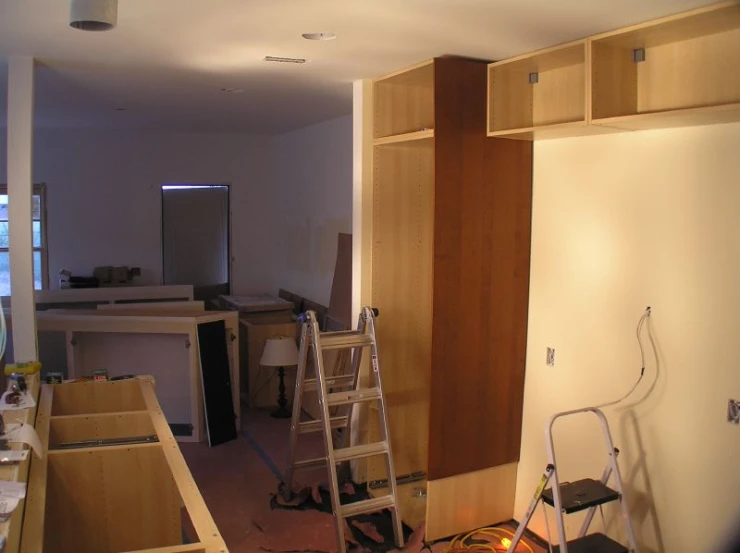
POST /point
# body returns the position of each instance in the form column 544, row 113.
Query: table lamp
column 281, row 352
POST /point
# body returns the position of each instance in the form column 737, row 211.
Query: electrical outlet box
column 550, row 357
column 733, row 411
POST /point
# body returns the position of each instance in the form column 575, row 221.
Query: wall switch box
column 550, row 357
column 733, row 411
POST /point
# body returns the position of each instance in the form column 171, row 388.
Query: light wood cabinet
column 112, row 477
column 541, row 94
column 688, row 75
column 450, row 265
column 675, row 71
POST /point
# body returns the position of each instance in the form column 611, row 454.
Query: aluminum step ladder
column 572, row 497
column 344, row 400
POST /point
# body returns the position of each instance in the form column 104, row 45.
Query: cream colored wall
column 312, row 184
column 621, row 222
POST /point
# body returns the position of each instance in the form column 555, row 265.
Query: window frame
column 39, row 189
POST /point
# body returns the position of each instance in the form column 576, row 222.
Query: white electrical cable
column 642, row 357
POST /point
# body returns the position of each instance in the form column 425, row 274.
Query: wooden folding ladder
column 349, row 395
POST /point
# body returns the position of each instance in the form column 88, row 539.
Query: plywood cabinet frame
column 442, row 196
column 688, row 78
column 182, row 323
column 145, row 406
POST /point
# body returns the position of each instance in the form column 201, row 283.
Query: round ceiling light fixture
column 319, row 36
column 93, row 15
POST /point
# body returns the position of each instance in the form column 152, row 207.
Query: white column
column 362, row 226
column 20, row 216
column 362, row 196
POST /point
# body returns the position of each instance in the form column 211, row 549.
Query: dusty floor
column 239, row 479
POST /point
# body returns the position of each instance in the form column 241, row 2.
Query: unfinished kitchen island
column 160, row 342
column 112, row 478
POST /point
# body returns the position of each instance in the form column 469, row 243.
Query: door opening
column 196, row 241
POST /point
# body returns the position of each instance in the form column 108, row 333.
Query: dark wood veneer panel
column 483, row 189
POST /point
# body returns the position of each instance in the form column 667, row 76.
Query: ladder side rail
column 557, row 500
column 617, row 478
column 389, row 465
column 592, row 510
column 356, row 359
column 296, row 418
column 328, row 445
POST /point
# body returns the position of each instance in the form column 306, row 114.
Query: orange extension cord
column 459, row 544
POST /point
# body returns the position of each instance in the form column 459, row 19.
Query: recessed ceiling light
column 284, row 60
column 121, row 109
column 319, row 36
column 93, row 15
column 232, row 90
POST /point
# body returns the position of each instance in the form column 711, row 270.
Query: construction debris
column 369, row 529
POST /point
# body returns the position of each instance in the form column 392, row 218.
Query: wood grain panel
column 404, row 102
column 402, row 281
column 693, row 73
column 481, row 280
column 613, row 81
column 689, row 117
column 715, row 18
column 87, row 398
column 512, row 99
column 560, row 95
column 557, row 97
column 130, row 501
column 462, row 503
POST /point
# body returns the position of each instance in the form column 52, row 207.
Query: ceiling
column 167, row 60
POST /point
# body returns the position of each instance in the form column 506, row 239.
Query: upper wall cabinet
column 676, row 71
column 681, row 70
column 540, row 94
column 404, row 105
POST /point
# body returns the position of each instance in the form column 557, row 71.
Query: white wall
column 621, row 222
column 104, row 203
column 313, row 184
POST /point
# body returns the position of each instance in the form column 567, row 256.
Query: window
column 40, row 278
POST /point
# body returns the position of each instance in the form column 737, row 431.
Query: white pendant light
column 93, row 15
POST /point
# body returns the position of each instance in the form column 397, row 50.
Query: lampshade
column 279, row 352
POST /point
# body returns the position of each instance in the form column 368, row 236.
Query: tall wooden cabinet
column 450, row 275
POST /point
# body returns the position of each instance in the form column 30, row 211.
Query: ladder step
column 367, row 506
column 310, row 463
column 593, row 543
column 360, row 451
column 309, row 385
column 353, row 396
column 581, row 494
column 318, row 426
column 344, row 339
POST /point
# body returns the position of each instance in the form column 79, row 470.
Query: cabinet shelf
column 424, row 134
column 543, row 90
column 556, row 130
column 673, row 118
